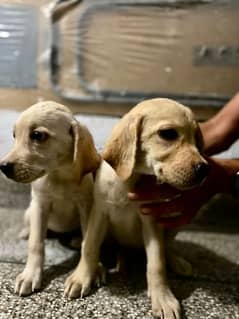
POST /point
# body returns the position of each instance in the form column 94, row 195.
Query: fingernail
column 132, row 195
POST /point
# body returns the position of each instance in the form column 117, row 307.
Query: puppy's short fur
column 54, row 153
column 158, row 137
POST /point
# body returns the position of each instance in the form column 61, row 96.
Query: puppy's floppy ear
column 120, row 150
column 85, row 158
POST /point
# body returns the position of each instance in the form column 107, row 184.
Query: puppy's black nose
column 7, row 168
column 201, row 170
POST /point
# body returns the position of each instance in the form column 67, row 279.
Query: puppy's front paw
column 78, row 284
column 165, row 305
column 28, row 281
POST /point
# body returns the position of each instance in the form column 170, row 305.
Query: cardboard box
column 100, row 56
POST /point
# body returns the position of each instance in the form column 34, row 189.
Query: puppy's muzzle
column 8, row 169
column 201, row 171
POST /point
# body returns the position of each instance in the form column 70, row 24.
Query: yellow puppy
column 55, row 153
column 158, row 137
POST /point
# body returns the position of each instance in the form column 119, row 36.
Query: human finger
column 154, row 192
column 162, row 208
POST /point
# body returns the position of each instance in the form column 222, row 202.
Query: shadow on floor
column 208, row 269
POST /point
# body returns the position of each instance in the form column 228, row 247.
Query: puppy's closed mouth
column 25, row 178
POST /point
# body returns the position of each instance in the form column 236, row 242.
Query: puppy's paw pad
column 180, row 266
column 27, row 282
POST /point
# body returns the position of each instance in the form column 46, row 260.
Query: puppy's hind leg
column 76, row 241
column 176, row 263
column 24, row 233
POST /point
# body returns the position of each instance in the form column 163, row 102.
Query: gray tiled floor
column 211, row 245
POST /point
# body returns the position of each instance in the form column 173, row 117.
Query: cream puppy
column 158, row 137
column 56, row 154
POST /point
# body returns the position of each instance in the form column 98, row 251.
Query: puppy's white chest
column 123, row 216
column 125, row 225
column 64, row 216
column 66, row 204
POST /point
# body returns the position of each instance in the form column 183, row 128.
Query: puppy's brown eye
column 169, row 134
column 38, row 136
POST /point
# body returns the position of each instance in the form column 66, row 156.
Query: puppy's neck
column 65, row 173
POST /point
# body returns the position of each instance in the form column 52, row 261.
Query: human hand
column 173, row 208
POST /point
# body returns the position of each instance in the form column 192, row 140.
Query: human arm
column 221, row 130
